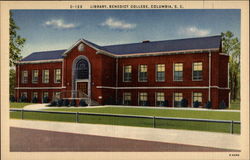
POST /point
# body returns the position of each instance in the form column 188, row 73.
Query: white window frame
column 22, row 77
column 55, row 76
column 174, row 97
column 193, row 98
column 43, row 76
column 193, row 72
column 156, row 70
column 124, row 97
column 182, row 71
column 123, row 74
column 156, row 97
column 33, row 93
column 139, row 67
column 139, row 95
column 33, row 71
column 55, row 94
column 25, row 93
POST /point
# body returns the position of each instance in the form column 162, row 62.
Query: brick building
column 147, row 73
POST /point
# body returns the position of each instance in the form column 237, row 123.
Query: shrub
column 222, row 105
column 46, row 100
column 60, row 102
column 208, row 104
column 196, row 104
column 12, row 98
column 184, row 102
column 166, row 103
column 82, row 103
column 66, row 102
column 53, row 103
column 34, row 100
column 73, row 102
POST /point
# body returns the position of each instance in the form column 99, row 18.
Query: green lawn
column 141, row 122
column 18, row 104
column 219, row 115
column 235, row 105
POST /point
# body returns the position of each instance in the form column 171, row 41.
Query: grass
column 18, row 104
column 235, row 105
column 219, row 115
column 141, row 122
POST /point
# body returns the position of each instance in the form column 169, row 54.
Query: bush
column 144, row 103
column 208, row 104
column 60, row 102
column 184, row 102
column 46, row 100
column 73, row 102
column 34, row 100
column 82, row 103
column 12, row 98
column 222, row 105
column 166, row 103
column 66, row 102
column 53, row 103
column 196, row 104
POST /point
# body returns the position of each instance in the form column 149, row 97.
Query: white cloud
column 193, row 31
column 118, row 24
column 59, row 24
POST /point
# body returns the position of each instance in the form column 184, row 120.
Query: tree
column 231, row 46
column 15, row 46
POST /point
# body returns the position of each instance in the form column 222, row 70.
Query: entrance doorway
column 82, row 89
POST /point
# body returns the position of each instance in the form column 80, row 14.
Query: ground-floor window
column 57, row 95
column 127, row 98
column 177, row 99
column 24, row 97
column 197, row 99
column 143, row 98
column 160, row 98
column 45, row 97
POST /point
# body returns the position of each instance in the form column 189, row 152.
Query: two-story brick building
column 146, row 73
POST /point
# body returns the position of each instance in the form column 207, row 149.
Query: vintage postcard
column 125, row 80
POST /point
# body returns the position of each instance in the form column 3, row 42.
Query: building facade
column 149, row 73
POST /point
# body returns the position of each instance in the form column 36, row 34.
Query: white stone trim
column 40, row 61
column 163, row 87
column 38, row 87
column 209, row 76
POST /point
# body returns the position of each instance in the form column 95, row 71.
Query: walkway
column 205, row 139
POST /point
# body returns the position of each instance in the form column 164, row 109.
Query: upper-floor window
column 160, row 72
column 160, row 98
column 197, row 71
column 45, row 76
column 178, row 71
column 127, row 73
column 57, row 76
column 143, row 73
column 24, row 76
column 34, row 76
column 127, row 98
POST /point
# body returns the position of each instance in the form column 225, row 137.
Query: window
column 143, row 99
column 57, row 95
column 24, row 76
column 57, row 75
column 34, row 76
column 35, row 95
column 82, row 69
column 177, row 99
column 197, row 96
column 160, row 72
column 45, row 76
column 178, row 71
column 197, row 71
column 24, row 94
column 127, row 73
column 45, row 94
column 127, row 98
column 143, row 73
column 160, row 98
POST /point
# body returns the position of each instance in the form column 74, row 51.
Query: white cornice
column 40, row 61
column 39, row 87
column 162, row 87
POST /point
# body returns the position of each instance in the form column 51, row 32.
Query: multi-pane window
column 24, row 76
column 45, row 76
column 143, row 73
column 127, row 73
column 160, row 98
column 24, row 94
column 178, row 71
column 34, row 95
column 24, row 97
column 177, row 99
column 34, row 76
column 143, row 98
column 57, row 75
column 160, row 72
column 57, row 95
column 127, row 98
column 197, row 96
column 197, row 71
column 45, row 94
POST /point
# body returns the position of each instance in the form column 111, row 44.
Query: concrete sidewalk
column 207, row 139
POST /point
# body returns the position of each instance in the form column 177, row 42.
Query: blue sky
column 59, row 29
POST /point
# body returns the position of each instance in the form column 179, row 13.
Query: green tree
column 16, row 43
column 231, row 46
